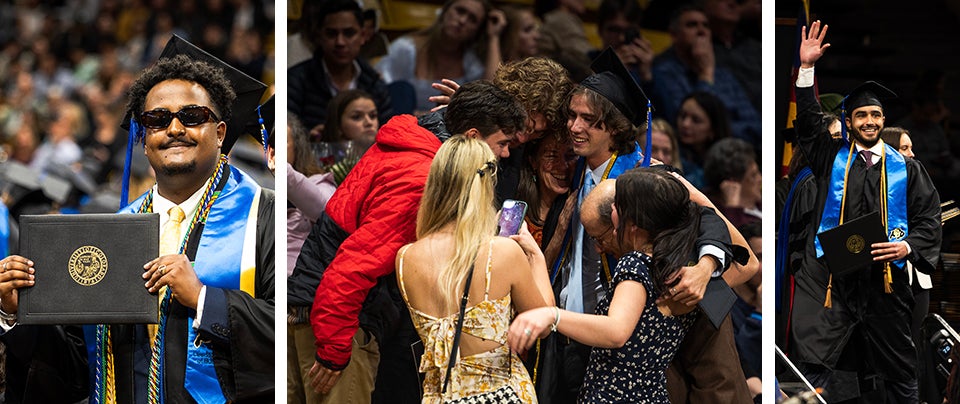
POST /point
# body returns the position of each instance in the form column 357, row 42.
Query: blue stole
column 217, row 265
column 618, row 165
column 4, row 230
column 894, row 178
column 783, row 233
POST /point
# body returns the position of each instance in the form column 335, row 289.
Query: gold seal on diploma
column 88, row 265
column 855, row 243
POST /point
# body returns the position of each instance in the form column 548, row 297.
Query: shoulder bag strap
column 456, row 336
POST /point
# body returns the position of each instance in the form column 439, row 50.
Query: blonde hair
column 459, row 190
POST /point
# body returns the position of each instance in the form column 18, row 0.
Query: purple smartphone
column 511, row 217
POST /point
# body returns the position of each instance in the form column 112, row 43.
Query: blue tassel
column 263, row 132
column 134, row 135
column 648, row 146
column 843, row 120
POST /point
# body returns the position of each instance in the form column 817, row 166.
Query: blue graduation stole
column 783, row 234
column 893, row 184
column 219, row 263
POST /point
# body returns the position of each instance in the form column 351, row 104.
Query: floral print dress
column 635, row 372
column 474, row 374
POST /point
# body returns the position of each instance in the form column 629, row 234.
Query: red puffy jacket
column 377, row 205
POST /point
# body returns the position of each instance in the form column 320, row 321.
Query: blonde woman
column 456, row 224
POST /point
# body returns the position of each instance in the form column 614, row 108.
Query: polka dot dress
column 634, row 373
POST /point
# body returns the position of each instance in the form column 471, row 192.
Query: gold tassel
column 828, row 302
column 887, row 278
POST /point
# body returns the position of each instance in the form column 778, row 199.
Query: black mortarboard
column 23, row 186
column 248, row 93
column 868, row 93
column 612, row 80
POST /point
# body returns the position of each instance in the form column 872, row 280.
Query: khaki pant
column 356, row 381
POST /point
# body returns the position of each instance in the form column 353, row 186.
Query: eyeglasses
column 598, row 240
column 189, row 116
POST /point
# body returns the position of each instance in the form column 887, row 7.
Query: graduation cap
column 24, row 188
column 613, row 81
column 867, row 94
column 248, row 93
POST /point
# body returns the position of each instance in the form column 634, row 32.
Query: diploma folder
column 846, row 248
column 717, row 301
column 89, row 268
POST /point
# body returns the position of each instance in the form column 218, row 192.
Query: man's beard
column 868, row 143
column 177, row 169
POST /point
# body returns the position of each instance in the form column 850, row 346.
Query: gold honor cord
column 828, row 301
column 606, row 174
column 887, row 273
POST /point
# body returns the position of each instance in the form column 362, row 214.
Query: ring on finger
column 162, row 269
column 527, row 332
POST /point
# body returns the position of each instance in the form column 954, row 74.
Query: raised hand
column 811, row 44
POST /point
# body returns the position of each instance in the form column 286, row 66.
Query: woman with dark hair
column 634, row 336
column 544, row 182
column 899, row 138
column 702, row 120
column 462, row 45
column 351, row 128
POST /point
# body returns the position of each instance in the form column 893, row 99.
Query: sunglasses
column 188, row 116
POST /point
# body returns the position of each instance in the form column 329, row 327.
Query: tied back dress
column 474, row 374
column 634, row 373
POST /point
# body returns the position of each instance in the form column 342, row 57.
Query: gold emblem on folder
column 88, row 265
column 855, row 243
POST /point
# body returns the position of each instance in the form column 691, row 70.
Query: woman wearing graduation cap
column 854, row 329
column 214, row 277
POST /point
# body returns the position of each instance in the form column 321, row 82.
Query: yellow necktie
column 170, row 236
column 170, row 241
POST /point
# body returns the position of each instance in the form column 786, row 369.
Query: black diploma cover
column 88, row 268
column 717, row 300
column 846, row 248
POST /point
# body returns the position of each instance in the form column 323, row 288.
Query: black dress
column 634, row 373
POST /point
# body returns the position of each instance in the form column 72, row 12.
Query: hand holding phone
column 511, row 217
column 631, row 35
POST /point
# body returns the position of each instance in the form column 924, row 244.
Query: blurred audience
column 463, row 45
column 690, row 65
column 335, row 29
column 702, row 120
column 733, row 180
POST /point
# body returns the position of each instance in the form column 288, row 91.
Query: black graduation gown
column 50, row 363
column 877, row 323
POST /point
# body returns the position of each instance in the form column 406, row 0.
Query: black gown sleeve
column 923, row 211
column 813, row 134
